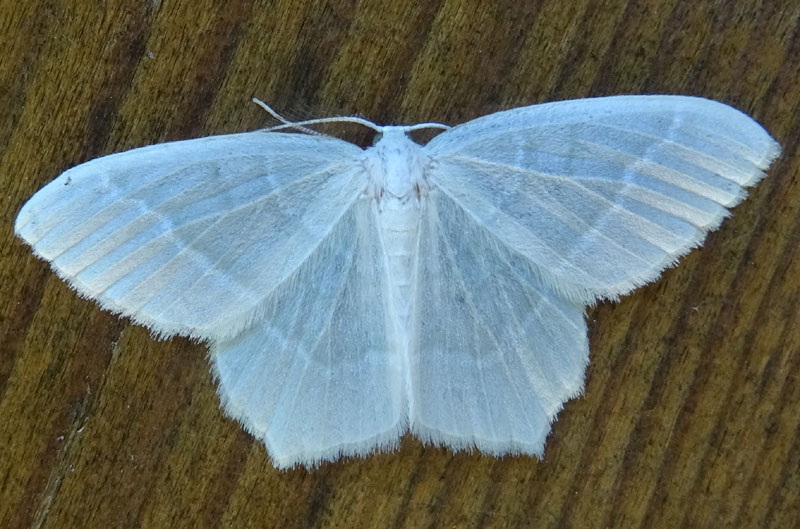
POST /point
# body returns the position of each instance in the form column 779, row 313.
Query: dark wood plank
column 690, row 416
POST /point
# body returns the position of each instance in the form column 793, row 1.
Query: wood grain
column 691, row 414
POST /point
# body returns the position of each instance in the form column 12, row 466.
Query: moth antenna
column 283, row 120
column 419, row 126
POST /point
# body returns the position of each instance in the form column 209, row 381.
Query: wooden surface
column 691, row 414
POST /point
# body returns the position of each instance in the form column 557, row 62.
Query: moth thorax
column 397, row 166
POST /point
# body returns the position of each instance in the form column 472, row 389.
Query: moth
column 350, row 295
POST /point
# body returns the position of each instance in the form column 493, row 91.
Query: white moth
column 350, row 295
